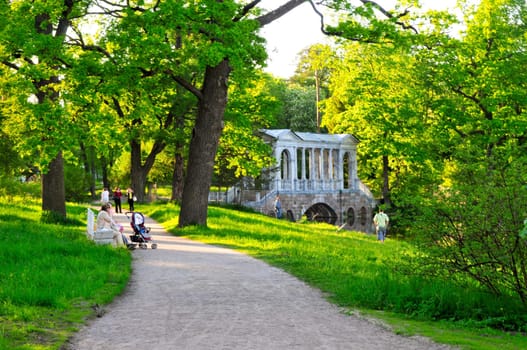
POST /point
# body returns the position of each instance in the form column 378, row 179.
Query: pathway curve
column 186, row 295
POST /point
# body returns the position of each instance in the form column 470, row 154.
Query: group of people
column 105, row 219
column 117, row 196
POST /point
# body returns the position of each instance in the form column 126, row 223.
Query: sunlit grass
column 357, row 272
column 51, row 275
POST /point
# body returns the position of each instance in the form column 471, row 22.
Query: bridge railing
column 307, row 185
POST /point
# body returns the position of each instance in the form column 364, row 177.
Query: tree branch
column 390, row 15
column 191, row 88
column 279, row 12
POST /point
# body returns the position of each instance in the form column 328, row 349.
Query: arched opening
column 284, row 165
column 307, row 164
column 321, row 212
column 299, row 164
column 350, row 217
column 346, row 170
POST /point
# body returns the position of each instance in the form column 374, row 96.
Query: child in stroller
column 141, row 232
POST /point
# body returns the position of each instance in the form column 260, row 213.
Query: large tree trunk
column 203, row 146
column 178, row 176
column 53, row 191
column 139, row 171
column 53, row 188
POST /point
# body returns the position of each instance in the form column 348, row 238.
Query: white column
column 322, row 163
column 353, row 170
column 303, row 163
column 293, row 167
column 330, row 164
column 277, row 178
column 340, row 169
column 313, row 170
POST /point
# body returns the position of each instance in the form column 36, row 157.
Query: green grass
column 51, row 275
column 359, row 273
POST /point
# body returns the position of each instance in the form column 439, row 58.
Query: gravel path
column 188, row 295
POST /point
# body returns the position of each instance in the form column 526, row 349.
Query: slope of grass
column 51, row 275
column 359, row 273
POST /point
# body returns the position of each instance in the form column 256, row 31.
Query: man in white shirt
column 381, row 221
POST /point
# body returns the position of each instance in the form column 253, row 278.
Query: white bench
column 104, row 236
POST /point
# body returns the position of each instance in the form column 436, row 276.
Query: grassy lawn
column 359, row 273
column 52, row 277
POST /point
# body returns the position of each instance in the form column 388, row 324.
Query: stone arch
column 321, row 212
column 350, row 217
column 290, row 216
column 285, row 165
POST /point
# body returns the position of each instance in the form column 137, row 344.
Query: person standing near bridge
column 278, row 207
column 381, row 221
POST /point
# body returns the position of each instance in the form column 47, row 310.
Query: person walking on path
column 130, row 197
column 117, row 194
column 186, row 295
column 381, row 221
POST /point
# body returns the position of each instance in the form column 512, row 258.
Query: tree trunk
column 139, row 171
column 53, row 191
column 386, row 181
column 203, row 146
column 88, row 170
column 53, row 188
column 104, row 169
column 178, row 176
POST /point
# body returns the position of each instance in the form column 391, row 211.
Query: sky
column 299, row 29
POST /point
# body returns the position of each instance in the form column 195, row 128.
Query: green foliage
column 76, row 183
column 11, row 188
column 473, row 229
column 10, row 160
column 299, row 109
column 376, row 96
column 469, row 224
column 51, row 275
column 241, row 151
column 453, row 136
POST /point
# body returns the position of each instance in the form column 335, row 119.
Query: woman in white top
column 105, row 196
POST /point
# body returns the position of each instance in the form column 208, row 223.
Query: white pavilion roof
column 309, row 137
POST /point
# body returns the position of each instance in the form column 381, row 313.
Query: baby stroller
column 141, row 236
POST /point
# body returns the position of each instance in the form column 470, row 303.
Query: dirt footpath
column 188, row 295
